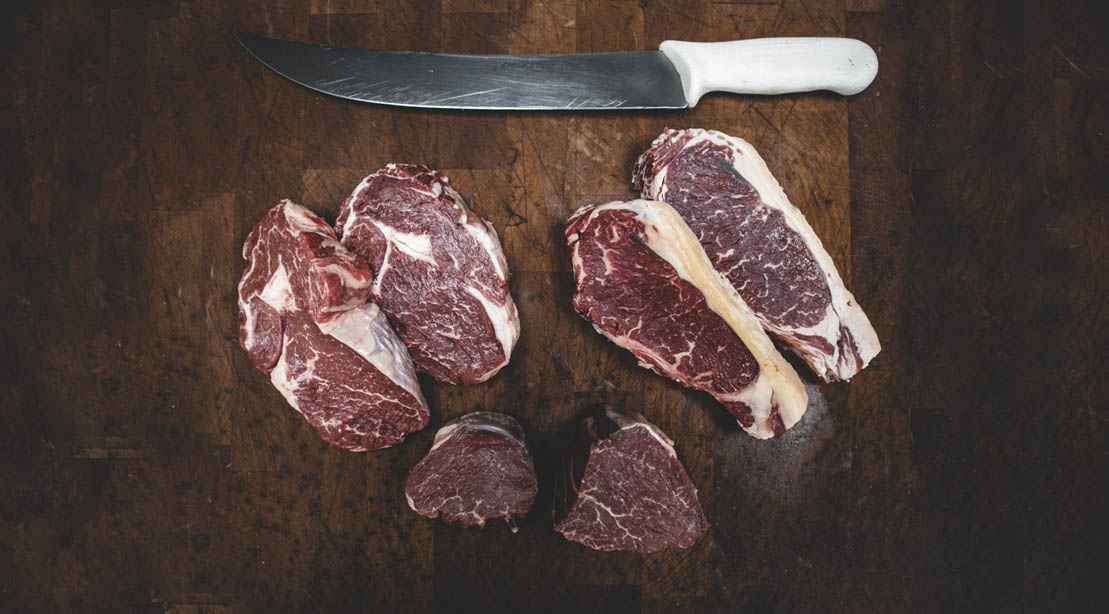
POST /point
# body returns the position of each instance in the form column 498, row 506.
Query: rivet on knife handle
column 772, row 66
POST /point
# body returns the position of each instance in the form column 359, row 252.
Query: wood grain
column 147, row 466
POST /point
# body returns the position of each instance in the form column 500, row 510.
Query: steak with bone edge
column 645, row 283
column 478, row 468
column 625, row 489
column 304, row 320
column 440, row 274
column 762, row 244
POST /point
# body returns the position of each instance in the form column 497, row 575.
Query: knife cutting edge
column 674, row 77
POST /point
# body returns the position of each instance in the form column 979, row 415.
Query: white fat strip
column 486, row 237
column 656, row 190
column 285, row 383
column 278, row 291
column 417, row 246
column 303, row 220
column 248, row 325
column 248, row 313
column 343, row 271
column 506, row 324
column 386, row 265
column 366, row 331
column 575, row 257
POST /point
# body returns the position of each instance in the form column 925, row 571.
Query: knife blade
column 674, row 77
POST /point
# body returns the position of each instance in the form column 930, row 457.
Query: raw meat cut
column 441, row 276
column 478, row 468
column 303, row 318
column 295, row 264
column 762, row 244
column 645, row 283
column 625, row 488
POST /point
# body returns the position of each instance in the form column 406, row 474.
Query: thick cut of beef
column 762, row 244
column 625, row 488
column 478, row 468
column 440, row 274
column 645, row 283
column 304, row 320
column 294, row 264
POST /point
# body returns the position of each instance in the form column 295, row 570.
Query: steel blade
column 573, row 81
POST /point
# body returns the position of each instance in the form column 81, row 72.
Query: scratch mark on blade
column 489, row 91
column 335, row 82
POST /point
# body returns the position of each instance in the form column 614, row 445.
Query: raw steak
column 303, row 318
column 478, row 468
column 625, row 488
column 645, row 283
column 441, row 276
column 762, row 244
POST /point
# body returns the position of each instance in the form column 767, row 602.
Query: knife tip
column 246, row 39
column 250, row 42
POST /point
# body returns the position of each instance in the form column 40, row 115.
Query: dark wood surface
column 147, row 466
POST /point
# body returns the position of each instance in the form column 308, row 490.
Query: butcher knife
column 674, row 77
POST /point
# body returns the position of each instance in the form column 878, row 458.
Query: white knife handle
column 772, row 66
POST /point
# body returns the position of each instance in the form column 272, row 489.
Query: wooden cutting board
column 154, row 467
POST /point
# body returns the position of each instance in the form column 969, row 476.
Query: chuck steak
column 645, row 283
column 440, row 274
column 478, row 468
column 304, row 320
column 624, row 488
column 762, row 244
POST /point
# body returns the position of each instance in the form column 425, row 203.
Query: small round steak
column 625, row 488
column 478, row 468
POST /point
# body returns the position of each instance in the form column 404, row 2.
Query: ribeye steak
column 304, row 320
column 762, row 244
column 478, row 468
column 645, row 283
column 440, row 274
column 625, row 489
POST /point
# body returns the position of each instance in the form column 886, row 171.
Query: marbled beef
column 625, row 489
column 440, row 274
column 762, row 244
column 304, row 320
column 645, row 283
column 478, row 468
